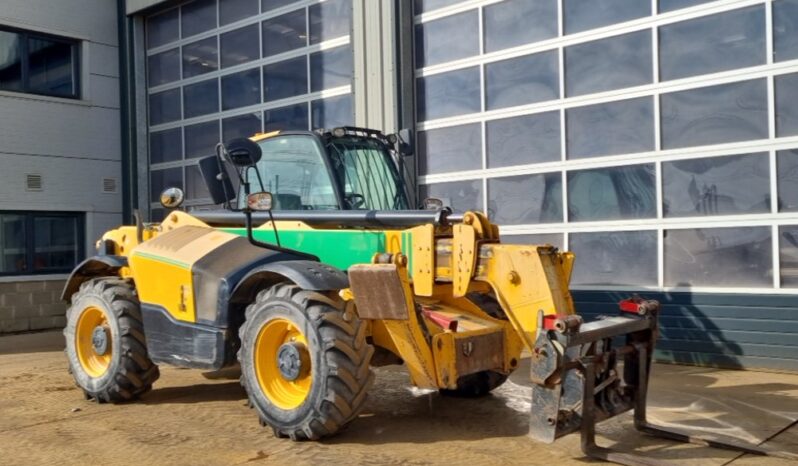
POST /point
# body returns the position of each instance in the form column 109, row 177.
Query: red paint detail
column 442, row 320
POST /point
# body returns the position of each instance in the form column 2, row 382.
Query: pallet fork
column 578, row 381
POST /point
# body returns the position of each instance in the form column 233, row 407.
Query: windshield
column 293, row 170
column 366, row 174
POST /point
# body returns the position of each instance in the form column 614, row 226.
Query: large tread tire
column 130, row 373
column 340, row 361
column 476, row 385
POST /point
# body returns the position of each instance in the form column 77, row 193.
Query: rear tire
column 104, row 313
column 328, row 386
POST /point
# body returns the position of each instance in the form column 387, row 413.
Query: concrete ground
column 188, row 419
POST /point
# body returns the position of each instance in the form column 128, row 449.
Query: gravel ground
column 188, row 419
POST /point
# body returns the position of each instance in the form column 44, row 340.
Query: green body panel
column 339, row 248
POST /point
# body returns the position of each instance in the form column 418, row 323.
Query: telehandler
column 324, row 272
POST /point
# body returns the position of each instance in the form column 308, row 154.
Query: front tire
column 305, row 363
column 105, row 342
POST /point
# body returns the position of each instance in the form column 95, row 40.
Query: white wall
column 72, row 144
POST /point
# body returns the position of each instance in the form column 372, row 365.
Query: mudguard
column 96, row 266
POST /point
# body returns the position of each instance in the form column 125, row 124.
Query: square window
column 581, row 15
column 555, row 239
column 163, row 28
column 449, row 149
column 200, row 57
column 788, row 255
column 240, row 46
column 461, row 196
column 11, row 62
column 518, row 22
column 284, row 33
column 166, row 146
column 164, row 107
column 714, row 115
column 163, row 68
column 524, row 140
column 51, row 67
column 241, row 89
column 786, row 94
column 285, row 79
column 615, row 193
column 525, row 199
column 737, row 184
column 523, row 80
column 448, row 94
column 162, row 179
column 201, row 139
column 723, row 257
column 231, row 11
column 332, row 112
column 627, row 258
column 622, row 127
column 241, row 126
column 330, row 20
column 198, row 16
column 608, row 64
column 720, row 42
column 330, row 68
column 201, row 98
column 446, row 39
column 291, row 117
column 785, row 30
column 787, row 169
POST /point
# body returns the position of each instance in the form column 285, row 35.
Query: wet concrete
column 188, row 419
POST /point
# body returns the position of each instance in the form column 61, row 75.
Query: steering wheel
column 355, row 200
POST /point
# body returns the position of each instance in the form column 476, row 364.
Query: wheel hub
column 99, row 340
column 292, row 360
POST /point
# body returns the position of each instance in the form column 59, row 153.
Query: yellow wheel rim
column 270, row 347
column 94, row 361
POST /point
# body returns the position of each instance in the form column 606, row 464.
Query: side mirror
column 433, row 203
column 218, row 183
column 172, row 198
column 406, row 144
column 260, row 202
column 242, row 152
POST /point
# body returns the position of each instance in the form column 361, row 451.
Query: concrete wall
column 72, row 144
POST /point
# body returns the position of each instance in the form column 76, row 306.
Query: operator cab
column 343, row 169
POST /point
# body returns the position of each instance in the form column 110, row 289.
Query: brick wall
column 31, row 305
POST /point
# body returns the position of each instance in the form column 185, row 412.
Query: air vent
column 109, row 185
column 33, row 182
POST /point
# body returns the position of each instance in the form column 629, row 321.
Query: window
column 607, row 64
column 329, row 20
column 162, row 179
column 614, row 193
column 786, row 96
column 198, row 16
column 525, row 199
column 615, row 258
column 330, row 68
column 164, row 67
column 332, row 112
column 163, row 28
column 284, row 33
column 785, row 30
column 429, row 5
column 447, row 39
column 581, row 15
column 738, row 184
column 787, row 169
column 522, row 140
column 735, row 39
column 231, row 11
column 239, row 46
column 166, row 146
column 39, row 64
column 242, row 126
column 241, row 89
column 308, row 188
column 195, row 184
column 285, row 79
column 461, row 196
column 453, row 148
column 613, row 128
column 517, row 22
column 728, row 257
column 164, row 106
column 292, row 117
column 201, row 98
column 201, row 139
column 522, row 80
column 448, row 94
column 788, row 255
column 200, row 57
column 670, row 5
column 554, row 239
column 716, row 114
column 40, row 242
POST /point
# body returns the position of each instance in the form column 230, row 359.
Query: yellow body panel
column 162, row 267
